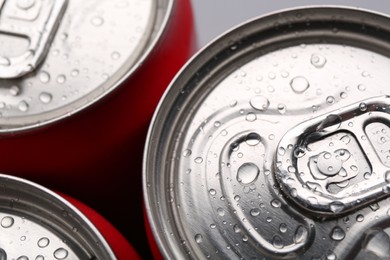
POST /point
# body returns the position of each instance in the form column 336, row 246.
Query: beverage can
column 273, row 142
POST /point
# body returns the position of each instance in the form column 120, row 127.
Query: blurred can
column 273, row 142
column 79, row 83
column 36, row 223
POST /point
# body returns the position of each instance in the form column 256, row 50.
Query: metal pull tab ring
column 340, row 161
column 31, row 21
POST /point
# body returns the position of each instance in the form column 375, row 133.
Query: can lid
column 36, row 223
column 57, row 57
column 243, row 151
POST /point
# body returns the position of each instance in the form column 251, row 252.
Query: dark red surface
column 121, row 248
column 96, row 155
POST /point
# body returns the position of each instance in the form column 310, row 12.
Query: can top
column 36, row 223
column 274, row 142
column 57, row 57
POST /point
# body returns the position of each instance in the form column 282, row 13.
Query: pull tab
column 27, row 28
column 340, row 161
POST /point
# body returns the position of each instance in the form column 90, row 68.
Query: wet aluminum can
column 36, row 223
column 58, row 59
column 273, row 142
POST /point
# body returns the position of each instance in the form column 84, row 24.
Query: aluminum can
column 79, row 84
column 273, row 142
column 36, row 223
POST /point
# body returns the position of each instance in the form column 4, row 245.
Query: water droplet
column 359, row 218
column 293, row 192
column 14, row 90
column 343, row 95
column 301, row 235
column 198, row 238
column 299, row 84
column 337, row 234
column 363, row 106
column 260, row 103
column 387, row 176
column 4, row 61
column 40, row 257
column 337, row 206
column 75, row 73
column 7, row 222
column 277, row 242
column 247, row 173
column 187, row 152
column 23, row 238
column 45, row 97
column 276, row 203
column 233, row 103
column 60, row 253
column 212, row 192
column 23, row 257
column 299, row 152
column 237, row 198
column 23, row 106
column 330, row 100
column 198, row 160
column 115, row 55
column 43, row 242
column 268, row 219
column 252, row 139
column 97, row 21
column 236, row 228
column 255, row 212
column 61, row 79
column 374, row 206
column 331, row 256
column 250, row 117
column 217, row 124
column 283, row 228
column 282, row 108
column 318, row 61
column 44, row 77
column 362, row 87
column 221, row 212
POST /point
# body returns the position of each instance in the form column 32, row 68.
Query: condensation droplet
column 337, row 206
column 359, row 218
column 44, row 77
column 260, row 103
column 43, row 242
column 45, row 97
column 283, row 228
column 252, row 139
column 61, row 253
column 221, row 212
column 247, row 173
column 276, row 203
column 4, row 61
column 75, row 73
column 187, row 152
column 115, row 55
column 363, row 106
column 277, row 242
column 14, row 90
column 318, row 61
column 7, row 222
column 61, row 79
column 198, row 238
column 213, row 192
column 300, row 235
column 97, row 21
column 299, row 84
column 250, row 117
column 23, row 257
column 282, row 108
column 337, row 234
column 23, row 106
column 40, row 257
column 362, row 87
column 330, row 100
column 255, row 212
column 198, row 160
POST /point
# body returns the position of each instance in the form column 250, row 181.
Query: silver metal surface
column 36, row 223
column 211, row 166
column 97, row 46
column 31, row 23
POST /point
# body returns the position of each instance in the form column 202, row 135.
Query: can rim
column 67, row 204
column 215, row 45
column 137, row 65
